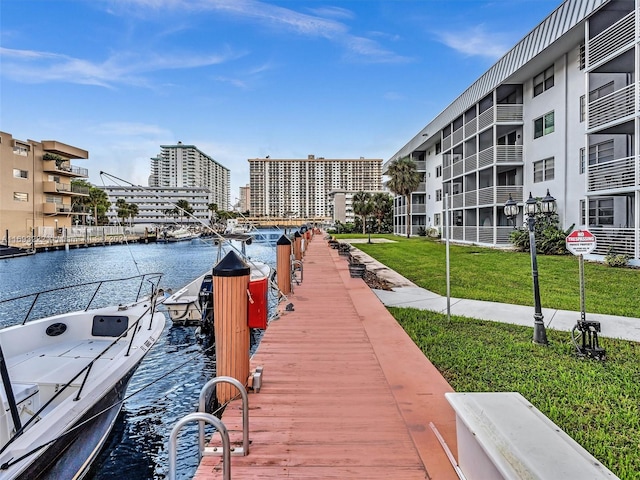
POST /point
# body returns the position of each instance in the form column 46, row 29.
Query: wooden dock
column 345, row 392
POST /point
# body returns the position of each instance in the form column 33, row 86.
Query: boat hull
column 71, row 456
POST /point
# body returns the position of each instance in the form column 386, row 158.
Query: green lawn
column 505, row 276
column 597, row 404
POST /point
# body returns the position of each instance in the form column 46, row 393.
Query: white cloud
column 271, row 15
column 476, row 41
column 123, row 68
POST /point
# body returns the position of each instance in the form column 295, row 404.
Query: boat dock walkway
column 345, row 392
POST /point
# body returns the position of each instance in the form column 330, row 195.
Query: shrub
column 550, row 238
column 422, row 231
column 613, row 259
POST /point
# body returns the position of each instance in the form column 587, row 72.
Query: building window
column 601, row 211
column 601, row 152
column 436, row 219
column 438, row 171
column 20, row 196
column 582, row 57
column 543, row 81
column 582, row 109
column 582, row 162
column 439, row 195
column 17, row 173
column 582, row 213
column 438, row 148
column 544, row 125
column 543, row 170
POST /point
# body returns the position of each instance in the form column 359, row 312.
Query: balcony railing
column 498, row 195
column 458, row 135
column 620, row 173
column 616, row 105
column 69, row 170
column 421, row 166
column 611, row 40
column 504, row 113
column 471, row 163
column 509, row 153
column 618, row 240
column 418, row 208
column 55, row 208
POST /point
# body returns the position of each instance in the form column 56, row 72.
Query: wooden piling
column 230, row 311
column 283, row 264
column 297, row 245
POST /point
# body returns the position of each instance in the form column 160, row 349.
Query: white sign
column 580, row 242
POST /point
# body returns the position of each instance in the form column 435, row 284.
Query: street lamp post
column 531, row 207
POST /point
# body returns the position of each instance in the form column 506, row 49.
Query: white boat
column 180, row 235
column 235, row 227
column 64, row 378
column 191, row 304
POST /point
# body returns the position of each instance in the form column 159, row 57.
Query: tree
column 97, row 202
column 213, row 208
column 125, row 210
column 184, row 208
column 404, row 180
column 382, row 207
column 362, row 207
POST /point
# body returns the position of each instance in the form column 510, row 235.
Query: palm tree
column 382, row 206
column 362, row 207
column 183, row 208
column 404, row 179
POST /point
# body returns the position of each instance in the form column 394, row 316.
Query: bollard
column 283, row 264
column 230, row 287
column 297, row 246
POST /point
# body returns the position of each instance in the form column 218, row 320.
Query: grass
column 596, row 403
column 505, row 276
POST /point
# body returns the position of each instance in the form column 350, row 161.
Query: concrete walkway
column 407, row 294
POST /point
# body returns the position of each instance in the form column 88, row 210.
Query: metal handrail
column 200, row 417
column 99, row 284
column 244, row 450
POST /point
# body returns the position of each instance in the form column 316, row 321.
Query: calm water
column 171, row 374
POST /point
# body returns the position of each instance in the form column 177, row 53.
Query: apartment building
column 299, row 188
column 244, row 202
column 559, row 112
column 185, row 166
column 36, row 195
column 154, row 203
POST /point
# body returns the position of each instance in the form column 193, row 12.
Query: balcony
column 421, row 166
column 509, row 154
column 498, row 195
column 418, row 208
column 619, row 173
column 55, row 209
column 507, row 113
column 611, row 40
column 620, row 240
column 615, row 106
column 65, row 188
column 51, row 166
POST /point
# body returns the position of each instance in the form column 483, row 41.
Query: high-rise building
column 185, row 166
column 36, row 194
column 245, row 199
column 559, row 112
column 299, row 188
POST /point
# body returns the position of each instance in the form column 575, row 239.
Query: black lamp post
column 531, row 207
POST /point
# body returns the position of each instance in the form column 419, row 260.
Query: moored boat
column 64, row 377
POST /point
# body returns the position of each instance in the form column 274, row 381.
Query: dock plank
column 345, row 393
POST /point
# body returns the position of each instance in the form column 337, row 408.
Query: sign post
column 580, row 242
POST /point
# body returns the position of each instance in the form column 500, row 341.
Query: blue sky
column 243, row 78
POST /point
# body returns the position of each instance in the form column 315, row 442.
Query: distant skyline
column 243, row 79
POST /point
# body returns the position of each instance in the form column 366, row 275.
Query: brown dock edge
column 345, row 393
